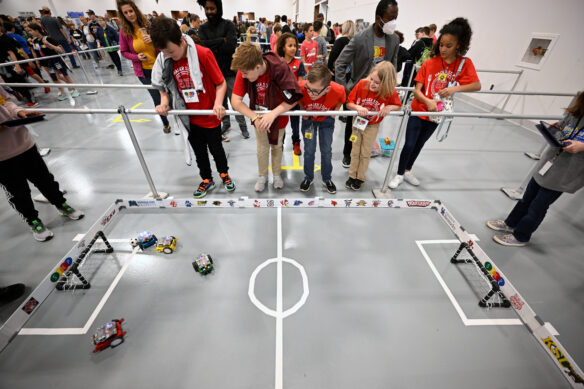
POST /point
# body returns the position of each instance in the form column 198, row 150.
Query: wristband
column 255, row 118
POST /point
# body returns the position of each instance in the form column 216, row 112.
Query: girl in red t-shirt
column 438, row 76
column 287, row 47
column 374, row 93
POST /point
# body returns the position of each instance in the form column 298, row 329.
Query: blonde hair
column 184, row 28
column 387, row 76
column 247, row 56
column 348, row 29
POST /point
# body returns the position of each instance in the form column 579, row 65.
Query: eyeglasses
column 314, row 92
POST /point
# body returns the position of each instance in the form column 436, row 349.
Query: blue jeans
column 295, row 124
column 529, row 212
column 418, row 132
column 324, row 132
column 154, row 93
column 65, row 45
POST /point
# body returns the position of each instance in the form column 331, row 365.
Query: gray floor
column 375, row 316
column 92, row 157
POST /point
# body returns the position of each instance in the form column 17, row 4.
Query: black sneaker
column 245, row 133
column 347, row 161
column 330, row 186
column 349, row 183
column 356, row 185
column 225, row 129
column 305, row 185
column 11, row 292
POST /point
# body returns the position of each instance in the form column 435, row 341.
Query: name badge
column 442, row 77
column 190, row 95
column 545, row 168
column 2, row 101
column 360, row 123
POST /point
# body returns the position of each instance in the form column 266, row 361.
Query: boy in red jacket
column 272, row 87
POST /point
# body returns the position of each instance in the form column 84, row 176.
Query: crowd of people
column 207, row 64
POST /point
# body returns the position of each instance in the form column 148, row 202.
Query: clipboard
column 549, row 134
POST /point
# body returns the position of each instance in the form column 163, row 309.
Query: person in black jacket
column 219, row 35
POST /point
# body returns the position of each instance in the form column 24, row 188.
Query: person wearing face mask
column 220, row 36
column 375, row 44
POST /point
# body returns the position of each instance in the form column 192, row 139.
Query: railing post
column 512, row 89
column 517, row 194
column 384, row 192
column 155, row 194
column 89, row 92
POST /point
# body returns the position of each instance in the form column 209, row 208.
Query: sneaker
column 11, row 292
column 224, row 138
column 176, row 131
column 61, row 96
column 411, row 179
column 245, row 133
column 76, row 67
column 225, row 129
column 278, row 182
column 297, row 150
column 227, row 182
column 508, row 240
column 330, row 186
column 166, row 129
column 347, row 161
column 75, row 93
column 110, row 66
column 499, row 225
column 204, row 187
column 349, row 183
column 47, row 90
column 305, row 185
column 260, row 184
column 70, row 212
column 120, row 73
column 396, row 181
column 95, row 65
column 357, row 184
column 343, row 119
column 32, row 105
column 39, row 231
column 375, row 153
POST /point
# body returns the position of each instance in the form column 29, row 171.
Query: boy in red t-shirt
column 319, row 94
column 190, row 73
column 309, row 48
column 272, row 87
column 439, row 77
column 373, row 94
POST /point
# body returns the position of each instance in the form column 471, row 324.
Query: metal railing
column 61, row 55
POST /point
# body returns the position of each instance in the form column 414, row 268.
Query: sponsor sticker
column 142, row 203
column 108, row 218
column 516, row 302
column 30, row 305
column 418, row 204
column 562, row 360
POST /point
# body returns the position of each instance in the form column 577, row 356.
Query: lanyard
column 575, row 131
column 446, row 68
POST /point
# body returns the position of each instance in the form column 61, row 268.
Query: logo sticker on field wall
column 30, row 305
column 108, row 218
column 562, row 360
column 448, row 217
column 418, row 204
column 516, row 302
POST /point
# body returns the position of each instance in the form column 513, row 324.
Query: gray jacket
column 567, row 172
column 358, row 54
column 164, row 81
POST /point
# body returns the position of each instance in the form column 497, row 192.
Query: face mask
column 389, row 27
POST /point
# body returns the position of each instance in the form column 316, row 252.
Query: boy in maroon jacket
column 271, row 86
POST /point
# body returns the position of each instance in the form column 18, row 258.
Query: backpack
column 426, row 54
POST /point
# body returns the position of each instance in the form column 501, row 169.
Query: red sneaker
column 47, row 90
column 297, row 149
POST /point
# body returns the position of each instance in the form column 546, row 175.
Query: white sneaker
column 396, row 181
column 260, row 184
column 278, row 182
column 411, row 179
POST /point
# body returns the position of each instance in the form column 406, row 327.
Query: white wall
column 501, row 30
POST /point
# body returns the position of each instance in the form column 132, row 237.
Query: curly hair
column 281, row 42
column 460, row 28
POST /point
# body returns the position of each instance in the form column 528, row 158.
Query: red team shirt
column 435, row 74
column 361, row 95
column 297, row 67
column 309, row 51
column 261, row 87
column 326, row 102
column 212, row 77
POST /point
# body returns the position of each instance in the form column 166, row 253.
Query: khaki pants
column 361, row 151
column 264, row 147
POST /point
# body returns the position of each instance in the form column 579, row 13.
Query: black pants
column 418, row 132
column 116, row 60
column 12, row 76
column 529, row 212
column 202, row 138
column 14, row 176
column 230, row 81
column 348, row 131
column 155, row 94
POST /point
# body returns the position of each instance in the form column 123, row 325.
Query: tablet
column 550, row 134
column 23, row 121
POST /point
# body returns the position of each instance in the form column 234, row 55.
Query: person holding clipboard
column 560, row 170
